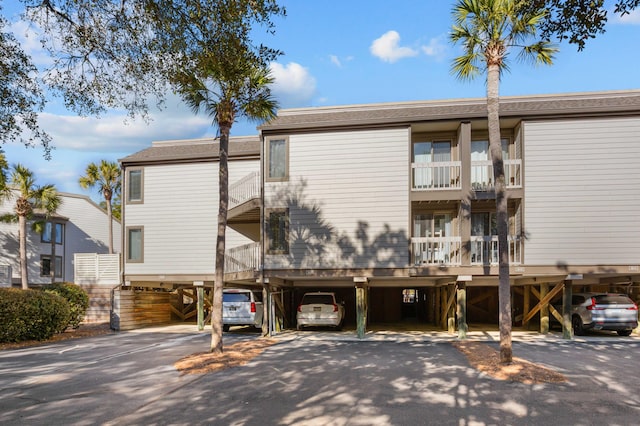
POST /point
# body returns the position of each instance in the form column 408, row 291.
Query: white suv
column 241, row 307
column 603, row 311
column 319, row 309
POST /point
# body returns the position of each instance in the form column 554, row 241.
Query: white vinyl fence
column 93, row 268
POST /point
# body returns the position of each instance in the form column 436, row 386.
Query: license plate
column 317, row 309
column 232, row 308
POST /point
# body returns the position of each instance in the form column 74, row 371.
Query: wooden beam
column 448, row 307
column 544, row 301
column 461, row 298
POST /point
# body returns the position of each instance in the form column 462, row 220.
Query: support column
column 436, row 309
column 567, row 296
column 451, row 314
column 443, row 307
column 199, row 286
column 544, row 309
column 266, row 303
column 462, row 309
column 526, row 306
column 361, row 305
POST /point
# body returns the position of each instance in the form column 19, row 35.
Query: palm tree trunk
column 216, row 306
column 22, row 231
column 110, row 219
column 502, row 218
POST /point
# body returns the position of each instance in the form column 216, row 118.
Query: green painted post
column 360, row 311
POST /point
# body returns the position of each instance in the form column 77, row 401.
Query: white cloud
column 115, row 132
column 335, row 61
column 388, row 48
column 435, row 48
column 632, row 18
column 28, row 35
column 294, row 86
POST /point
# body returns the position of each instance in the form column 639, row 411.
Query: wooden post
column 436, row 315
column 443, row 307
column 451, row 315
column 567, row 329
column 544, row 310
column 361, row 305
column 526, row 305
column 462, row 309
column 199, row 285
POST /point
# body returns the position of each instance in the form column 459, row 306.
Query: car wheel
column 576, row 322
column 226, row 327
column 624, row 332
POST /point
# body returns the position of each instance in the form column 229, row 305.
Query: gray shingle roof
column 461, row 109
column 194, row 150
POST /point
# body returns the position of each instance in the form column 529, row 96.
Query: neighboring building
column 392, row 206
column 81, row 226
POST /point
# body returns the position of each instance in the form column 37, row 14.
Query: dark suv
column 603, row 311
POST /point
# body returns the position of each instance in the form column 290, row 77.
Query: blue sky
column 336, row 52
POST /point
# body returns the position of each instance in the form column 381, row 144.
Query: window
column 135, row 184
column 277, row 160
column 432, row 225
column 278, row 231
column 481, row 165
column 45, row 266
column 46, row 233
column 427, row 174
column 135, row 244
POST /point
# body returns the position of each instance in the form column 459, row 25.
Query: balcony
column 484, row 250
column 482, row 174
column 443, row 175
column 436, row 250
column 245, row 258
column 246, row 189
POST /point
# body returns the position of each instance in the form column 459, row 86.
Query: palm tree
column 227, row 97
column 107, row 177
column 488, row 31
column 29, row 198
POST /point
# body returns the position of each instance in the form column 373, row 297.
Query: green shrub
column 31, row 315
column 76, row 296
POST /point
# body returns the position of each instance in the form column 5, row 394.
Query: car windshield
column 317, row 299
column 236, row 297
column 613, row 299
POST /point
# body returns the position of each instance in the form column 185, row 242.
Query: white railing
column 242, row 258
column 436, row 250
column 482, row 174
column 484, row 250
column 93, row 268
column 436, row 175
column 244, row 190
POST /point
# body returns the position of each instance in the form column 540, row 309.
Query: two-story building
column 392, row 207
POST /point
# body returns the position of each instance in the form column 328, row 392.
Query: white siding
column 348, row 197
column 582, row 182
column 86, row 231
column 179, row 216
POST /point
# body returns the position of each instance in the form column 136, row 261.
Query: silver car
column 319, row 309
column 241, row 307
column 603, row 311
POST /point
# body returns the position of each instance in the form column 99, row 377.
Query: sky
column 336, row 52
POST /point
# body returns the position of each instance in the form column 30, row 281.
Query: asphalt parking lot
column 314, row 378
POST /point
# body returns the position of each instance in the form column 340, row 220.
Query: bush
column 77, row 298
column 31, row 315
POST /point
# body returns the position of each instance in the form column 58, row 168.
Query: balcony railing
column 482, row 174
column 244, row 190
column 436, row 250
column 436, row 176
column 484, row 250
column 242, row 258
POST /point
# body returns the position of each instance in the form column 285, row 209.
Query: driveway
column 128, row 378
